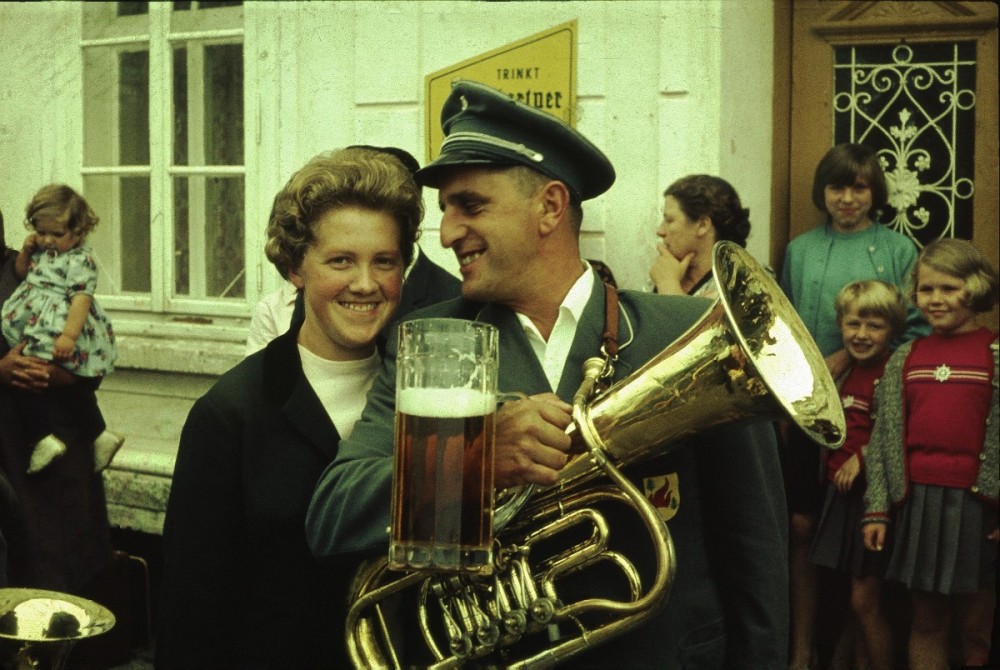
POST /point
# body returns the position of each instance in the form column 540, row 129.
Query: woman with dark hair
column 698, row 211
column 848, row 188
column 241, row 588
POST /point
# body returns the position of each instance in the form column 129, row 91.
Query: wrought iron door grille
column 914, row 103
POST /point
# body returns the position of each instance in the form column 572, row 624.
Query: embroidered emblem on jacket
column 664, row 493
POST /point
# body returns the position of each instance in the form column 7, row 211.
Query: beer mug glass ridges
column 442, row 505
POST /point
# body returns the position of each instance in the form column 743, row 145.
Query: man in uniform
column 511, row 181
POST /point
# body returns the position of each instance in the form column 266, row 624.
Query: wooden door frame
column 820, row 25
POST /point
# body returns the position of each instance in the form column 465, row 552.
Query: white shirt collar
column 553, row 354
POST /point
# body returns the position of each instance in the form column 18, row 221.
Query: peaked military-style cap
column 484, row 126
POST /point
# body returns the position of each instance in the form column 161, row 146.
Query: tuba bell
column 38, row 628
column 748, row 357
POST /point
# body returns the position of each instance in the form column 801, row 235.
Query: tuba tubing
column 748, row 357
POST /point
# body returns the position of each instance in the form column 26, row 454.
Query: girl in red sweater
column 933, row 457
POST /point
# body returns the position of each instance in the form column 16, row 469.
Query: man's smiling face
column 491, row 223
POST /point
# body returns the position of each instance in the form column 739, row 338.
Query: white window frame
column 182, row 333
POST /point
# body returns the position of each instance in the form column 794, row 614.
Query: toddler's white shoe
column 106, row 446
column 46, row 450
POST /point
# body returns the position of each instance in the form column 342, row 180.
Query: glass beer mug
column 442, row 500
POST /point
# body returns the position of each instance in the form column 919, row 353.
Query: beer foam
column 445, row 403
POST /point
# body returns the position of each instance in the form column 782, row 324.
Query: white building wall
column 40, row 105
column 666, row 88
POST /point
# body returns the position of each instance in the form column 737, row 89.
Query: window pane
column 189, row 16
column 182, row 250
column 208, row 237
column 224, row 237
column 180, row 107
column 184, row 5
column 98, row 106
column 121, row 241
column 133, row 95
column 135, row 209
column 208, row 104
column 132, row 8
column 224, row 104
column 115, row 107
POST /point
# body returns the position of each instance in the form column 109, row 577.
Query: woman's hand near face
column 667, row 272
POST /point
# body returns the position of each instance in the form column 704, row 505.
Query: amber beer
column 443, row 498
column 442, row 491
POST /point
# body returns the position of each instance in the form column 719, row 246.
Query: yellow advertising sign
column 539, row 70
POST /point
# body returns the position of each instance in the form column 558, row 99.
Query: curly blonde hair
column 355, row 176
column 58, row 202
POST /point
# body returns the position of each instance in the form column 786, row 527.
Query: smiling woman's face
column 351, row 278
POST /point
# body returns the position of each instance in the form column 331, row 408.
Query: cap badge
column 490, row 140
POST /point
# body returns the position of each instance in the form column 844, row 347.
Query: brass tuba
column 38, row 628
column 749, row 356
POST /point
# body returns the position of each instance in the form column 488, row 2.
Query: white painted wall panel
column 665, row 87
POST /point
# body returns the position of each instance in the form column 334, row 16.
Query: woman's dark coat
column 241, row 589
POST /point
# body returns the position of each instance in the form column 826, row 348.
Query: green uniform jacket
column 728, row 606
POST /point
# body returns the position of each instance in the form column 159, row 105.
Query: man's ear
column 554, row 201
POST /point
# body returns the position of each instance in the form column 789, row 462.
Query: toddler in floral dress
column 54, row 314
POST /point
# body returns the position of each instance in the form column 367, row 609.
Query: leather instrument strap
column 609, row 340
